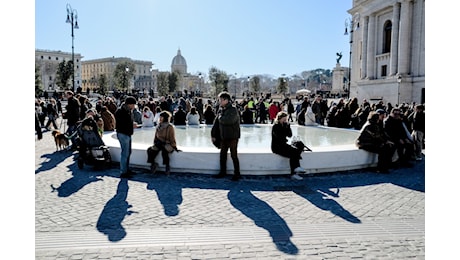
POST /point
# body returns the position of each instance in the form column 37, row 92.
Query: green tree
column 254, row 84
column 122, row 74
column 282, row 85
column 63, row 74
column 38, row 82
column 219, row 80
column 102, row 82
column 163, row 83
column 173, row 80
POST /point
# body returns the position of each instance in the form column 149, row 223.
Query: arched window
column 387, row 36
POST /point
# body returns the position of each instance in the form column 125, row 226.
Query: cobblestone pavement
column 94, row 214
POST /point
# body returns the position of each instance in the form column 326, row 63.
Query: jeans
column 51, row 120
column 125, row 144
column 71, row 131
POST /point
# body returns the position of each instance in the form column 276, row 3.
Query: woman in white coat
column 147, row 117
column 193, row 118
column 309, row 116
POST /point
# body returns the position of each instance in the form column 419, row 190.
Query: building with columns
column 143, row 79
column 47, row 62
column 387, row 50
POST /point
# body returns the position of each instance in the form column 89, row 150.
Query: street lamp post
column 199, row 84
column 351, row 47
column 399, row 83
column 234, row 83
column 126, row 79
column 249, row 85
column 72, row 17
column 352, row 22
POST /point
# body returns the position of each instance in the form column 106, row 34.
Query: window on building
column 384, row 71
column 57, row 58
column 387, row 36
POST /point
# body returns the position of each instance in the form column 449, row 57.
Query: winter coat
column 229, row 122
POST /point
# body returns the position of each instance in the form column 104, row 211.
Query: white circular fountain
column 333, row 150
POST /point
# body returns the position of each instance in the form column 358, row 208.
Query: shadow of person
column 74, row 184
column 53, row 160
column 265, row 217
column 169, row 194
column 322, row 198
column 115, row 210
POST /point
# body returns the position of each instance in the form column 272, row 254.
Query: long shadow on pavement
column 265, row 217
column 313, row 188
column 115, row 210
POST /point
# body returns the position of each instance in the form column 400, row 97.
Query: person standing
column 228, row 122
column 124, row 125
column 290, row 110
column 417, row 118
column 52, row 114
column 281, row 130
column 72, row 114
column 319, row 107
column 38, row 128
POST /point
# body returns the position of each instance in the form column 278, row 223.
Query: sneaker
column 296, row 177
column 299, row 170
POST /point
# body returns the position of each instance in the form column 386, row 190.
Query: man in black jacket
column 229, row 128
column 125, row 125
column 72, row 115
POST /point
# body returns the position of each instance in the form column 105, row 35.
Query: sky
column 271, row 37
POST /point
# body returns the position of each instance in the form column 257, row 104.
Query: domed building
column 179, row 64
column 188, row 83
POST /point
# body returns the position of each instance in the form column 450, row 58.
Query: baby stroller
column 91, row 148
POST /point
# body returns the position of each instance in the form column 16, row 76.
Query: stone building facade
column 47, row 61
column 388, row 50
column 143, row 79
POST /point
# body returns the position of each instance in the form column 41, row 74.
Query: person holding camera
column 281, row 130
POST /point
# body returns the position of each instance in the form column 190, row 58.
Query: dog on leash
column 61, row 140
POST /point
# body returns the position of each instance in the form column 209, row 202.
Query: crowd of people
column 395, row 129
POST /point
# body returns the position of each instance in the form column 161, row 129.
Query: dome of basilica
column 179, row 63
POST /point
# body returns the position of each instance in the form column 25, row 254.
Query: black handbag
column 215, row 133
column 299, row 145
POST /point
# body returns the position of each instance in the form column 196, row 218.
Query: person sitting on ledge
column 281, row 130
column 372, row 138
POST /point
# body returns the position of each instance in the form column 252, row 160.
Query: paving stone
column 88, row 214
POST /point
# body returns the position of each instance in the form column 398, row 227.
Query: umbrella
column 303, row 91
